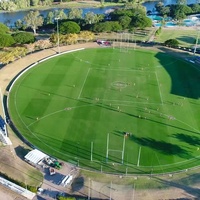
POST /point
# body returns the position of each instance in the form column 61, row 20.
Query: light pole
column 196, row 43
column 58, row 37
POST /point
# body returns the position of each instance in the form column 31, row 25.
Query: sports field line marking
column 139, row 153
column 135, row 102
column 159, row 88
column 53, row 113
column 121, row 69
column 84, row 83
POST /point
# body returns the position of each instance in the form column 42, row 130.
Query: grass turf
column 66, row 106
column 185, row 37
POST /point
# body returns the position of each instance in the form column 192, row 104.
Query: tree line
column 177, row 11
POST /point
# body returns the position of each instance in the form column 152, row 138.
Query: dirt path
column 15, row 166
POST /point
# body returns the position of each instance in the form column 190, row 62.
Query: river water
column 14, row 16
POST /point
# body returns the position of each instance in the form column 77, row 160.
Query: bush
column 158, row 31
column 6, row 40
column 23, row 38
column 171, row 43
column 10, row 56
column 31, row 188
column 69, row 27
column 3, row 28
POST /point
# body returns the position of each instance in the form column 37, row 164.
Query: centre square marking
column 123, row 85
column 119, row 84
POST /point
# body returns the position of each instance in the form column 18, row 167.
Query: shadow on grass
column 195, row 192
column 21, row 151
column 187, row 39
column 77, row 184
column 192, row 140
column 184, row 77
column 162, row 146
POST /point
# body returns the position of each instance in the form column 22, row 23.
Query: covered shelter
column 35, row 156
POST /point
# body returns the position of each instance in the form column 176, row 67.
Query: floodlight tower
column 58, row 37
column 197, row 39
column 196, row 44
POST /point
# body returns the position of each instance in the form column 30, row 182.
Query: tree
column 75, row 13
column 21, row 4
column 115, row 26
column 33, row 20
column 165, row 11
column 102, row 2
column 3, row 28
column 23, row 37
column 50, row 18
column 8, row 5
column 141, row 21
column 159, row 6
column 178, row 12
column 19, row 24
column 34, row 2
column 195, row 8
column 124, row 21
column 171, row 43
column 45, row 2
column 91, row 18
column 6, row 40
column 69, row 27
column 60, row 14
column 107, row 26
column 181, row 2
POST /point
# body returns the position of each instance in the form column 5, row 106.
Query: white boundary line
column 119, row 69
column 134, row 102
column 139, row 153
column 100, row 161
column 84, row 83
column 159, row 88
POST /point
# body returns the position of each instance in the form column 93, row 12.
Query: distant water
column 14, row 16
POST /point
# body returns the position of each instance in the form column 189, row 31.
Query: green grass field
column 78, row 107
column 185, row 37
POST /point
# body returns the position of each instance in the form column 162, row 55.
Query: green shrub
column 69, row 27
column 158, row 31
column 23, row 38
column 6, row 40
column 3, row 28
column 171, row 43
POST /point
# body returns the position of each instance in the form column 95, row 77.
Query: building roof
column 35, row 156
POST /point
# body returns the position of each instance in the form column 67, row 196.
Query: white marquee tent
column 35, row 156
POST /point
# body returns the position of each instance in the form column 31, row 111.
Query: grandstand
column 2, row 124
column 3, row 133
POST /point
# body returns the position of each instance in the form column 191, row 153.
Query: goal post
column 107, row 147
column 91, row 157
column 123, row 148
column 124, row 42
